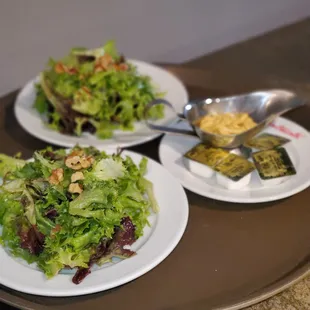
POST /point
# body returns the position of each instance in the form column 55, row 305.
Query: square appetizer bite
column 234, row 172
column 266, row 141
column 202, row 159
column 274, row 166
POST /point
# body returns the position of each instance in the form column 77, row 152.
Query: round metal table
column 248, row 253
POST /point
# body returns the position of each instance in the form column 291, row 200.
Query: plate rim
column 157, row 258
column 242, row 200
column 97, row 142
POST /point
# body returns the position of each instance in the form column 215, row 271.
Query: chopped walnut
column 57, row 176
column 76, row 176
column 76, row 162
column 75, row 188
column 61, row 68
column 122, row 67
column 87, row 161
column 98, row 68
column 73, row 162
column 106, row 60
column 72, row 71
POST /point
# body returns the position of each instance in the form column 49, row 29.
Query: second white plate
column 33, row 123
column 172, row 148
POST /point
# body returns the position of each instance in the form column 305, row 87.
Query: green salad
column 94, row 91
column 73, row 210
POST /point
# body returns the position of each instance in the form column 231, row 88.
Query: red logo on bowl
column 287, row 131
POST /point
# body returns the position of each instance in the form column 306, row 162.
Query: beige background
column 152, row 30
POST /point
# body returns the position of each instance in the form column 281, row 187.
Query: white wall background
column 152, row 30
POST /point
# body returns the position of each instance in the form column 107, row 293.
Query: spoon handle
column 166, row 129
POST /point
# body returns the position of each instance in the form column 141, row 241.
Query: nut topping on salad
column 77, row 162
column 57, row 176
column 75, row 188
column 76, row 176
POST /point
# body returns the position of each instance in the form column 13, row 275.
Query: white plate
column 156, row 244
column 172, row 148
column 32, row 122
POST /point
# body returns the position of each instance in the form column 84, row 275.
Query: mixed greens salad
column 73, row 209
column 94, row 91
